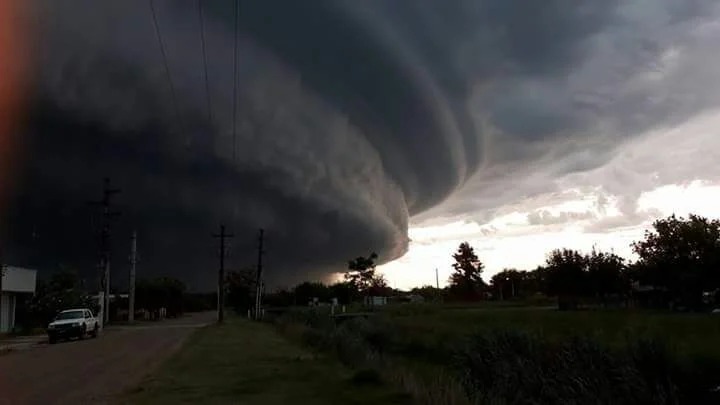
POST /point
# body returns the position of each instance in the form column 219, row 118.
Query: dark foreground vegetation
column 525, row 355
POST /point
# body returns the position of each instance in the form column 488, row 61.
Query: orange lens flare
column 13, row 57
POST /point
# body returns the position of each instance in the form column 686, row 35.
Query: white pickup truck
column 77, row 322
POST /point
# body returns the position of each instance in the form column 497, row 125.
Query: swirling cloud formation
column 345, row 118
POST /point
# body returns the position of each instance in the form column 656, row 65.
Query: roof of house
column 19, row 280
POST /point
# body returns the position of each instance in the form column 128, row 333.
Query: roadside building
column 16, row 283
column 375, row 301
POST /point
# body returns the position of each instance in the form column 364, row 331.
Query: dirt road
column 92, row 371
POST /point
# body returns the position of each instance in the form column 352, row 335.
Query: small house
column 16, row 282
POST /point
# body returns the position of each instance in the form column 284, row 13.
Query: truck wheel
column 82, row 333
column 52, row 340
column 94, row 332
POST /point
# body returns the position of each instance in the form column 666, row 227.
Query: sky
column 350, row 127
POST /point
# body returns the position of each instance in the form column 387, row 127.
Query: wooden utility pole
column 221, row 273
column 131, row 288
column 104, row 262
column 258, row 280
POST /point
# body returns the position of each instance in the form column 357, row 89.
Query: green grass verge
column 249, row 363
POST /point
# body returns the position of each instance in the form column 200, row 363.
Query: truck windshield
column 70, row 315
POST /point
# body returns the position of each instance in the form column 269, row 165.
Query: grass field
column 509, row 354
column 687, row 334
column 250, row 363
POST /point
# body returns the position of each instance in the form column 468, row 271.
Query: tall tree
column 605, row 275
column 307, row 291
column 566, row 277
column 162, row 292
column 240, row 289
column 345, row 292
column 681, row 256
column 361, row 272
column 510, row 283
column 379, row 286
column 466, row 280
column 537, row 280
column 62, row 291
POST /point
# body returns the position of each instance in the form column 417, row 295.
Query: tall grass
column 518, row 367
column 364, row 344
column 510, row 365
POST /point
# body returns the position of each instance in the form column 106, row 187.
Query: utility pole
column 221, row 273
column 437, row 284
column 258, row 281
column 131, row 292
column 104, row 262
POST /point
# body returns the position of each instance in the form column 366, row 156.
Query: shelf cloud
column 350, row 118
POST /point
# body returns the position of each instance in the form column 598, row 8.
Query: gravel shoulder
column 92, row 370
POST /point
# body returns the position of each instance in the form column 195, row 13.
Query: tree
column 681, row 256
column 162, row 292
column 62, row 291
column 240, row 290
column 307, row 291
column 466, row 281
column 280, row 298
column 361, row 272
column 537, row 280
column 428, row 292
column 566, row 277
column 510, row 283
column 379, row 286
column 605, row 275
column 345, row 292
column 173, row 291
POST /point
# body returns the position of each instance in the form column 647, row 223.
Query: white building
column 15, row 280
column 375, row 301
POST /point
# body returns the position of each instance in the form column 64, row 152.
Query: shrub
column 367, row 376
column 509, row 366
column 519, row 367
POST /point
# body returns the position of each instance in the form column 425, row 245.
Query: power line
column 235, row 82
column 204, row 56
column 158, row 35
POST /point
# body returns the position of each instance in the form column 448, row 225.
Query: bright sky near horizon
column 665, row 171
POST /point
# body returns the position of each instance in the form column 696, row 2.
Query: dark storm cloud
column 352, row 116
